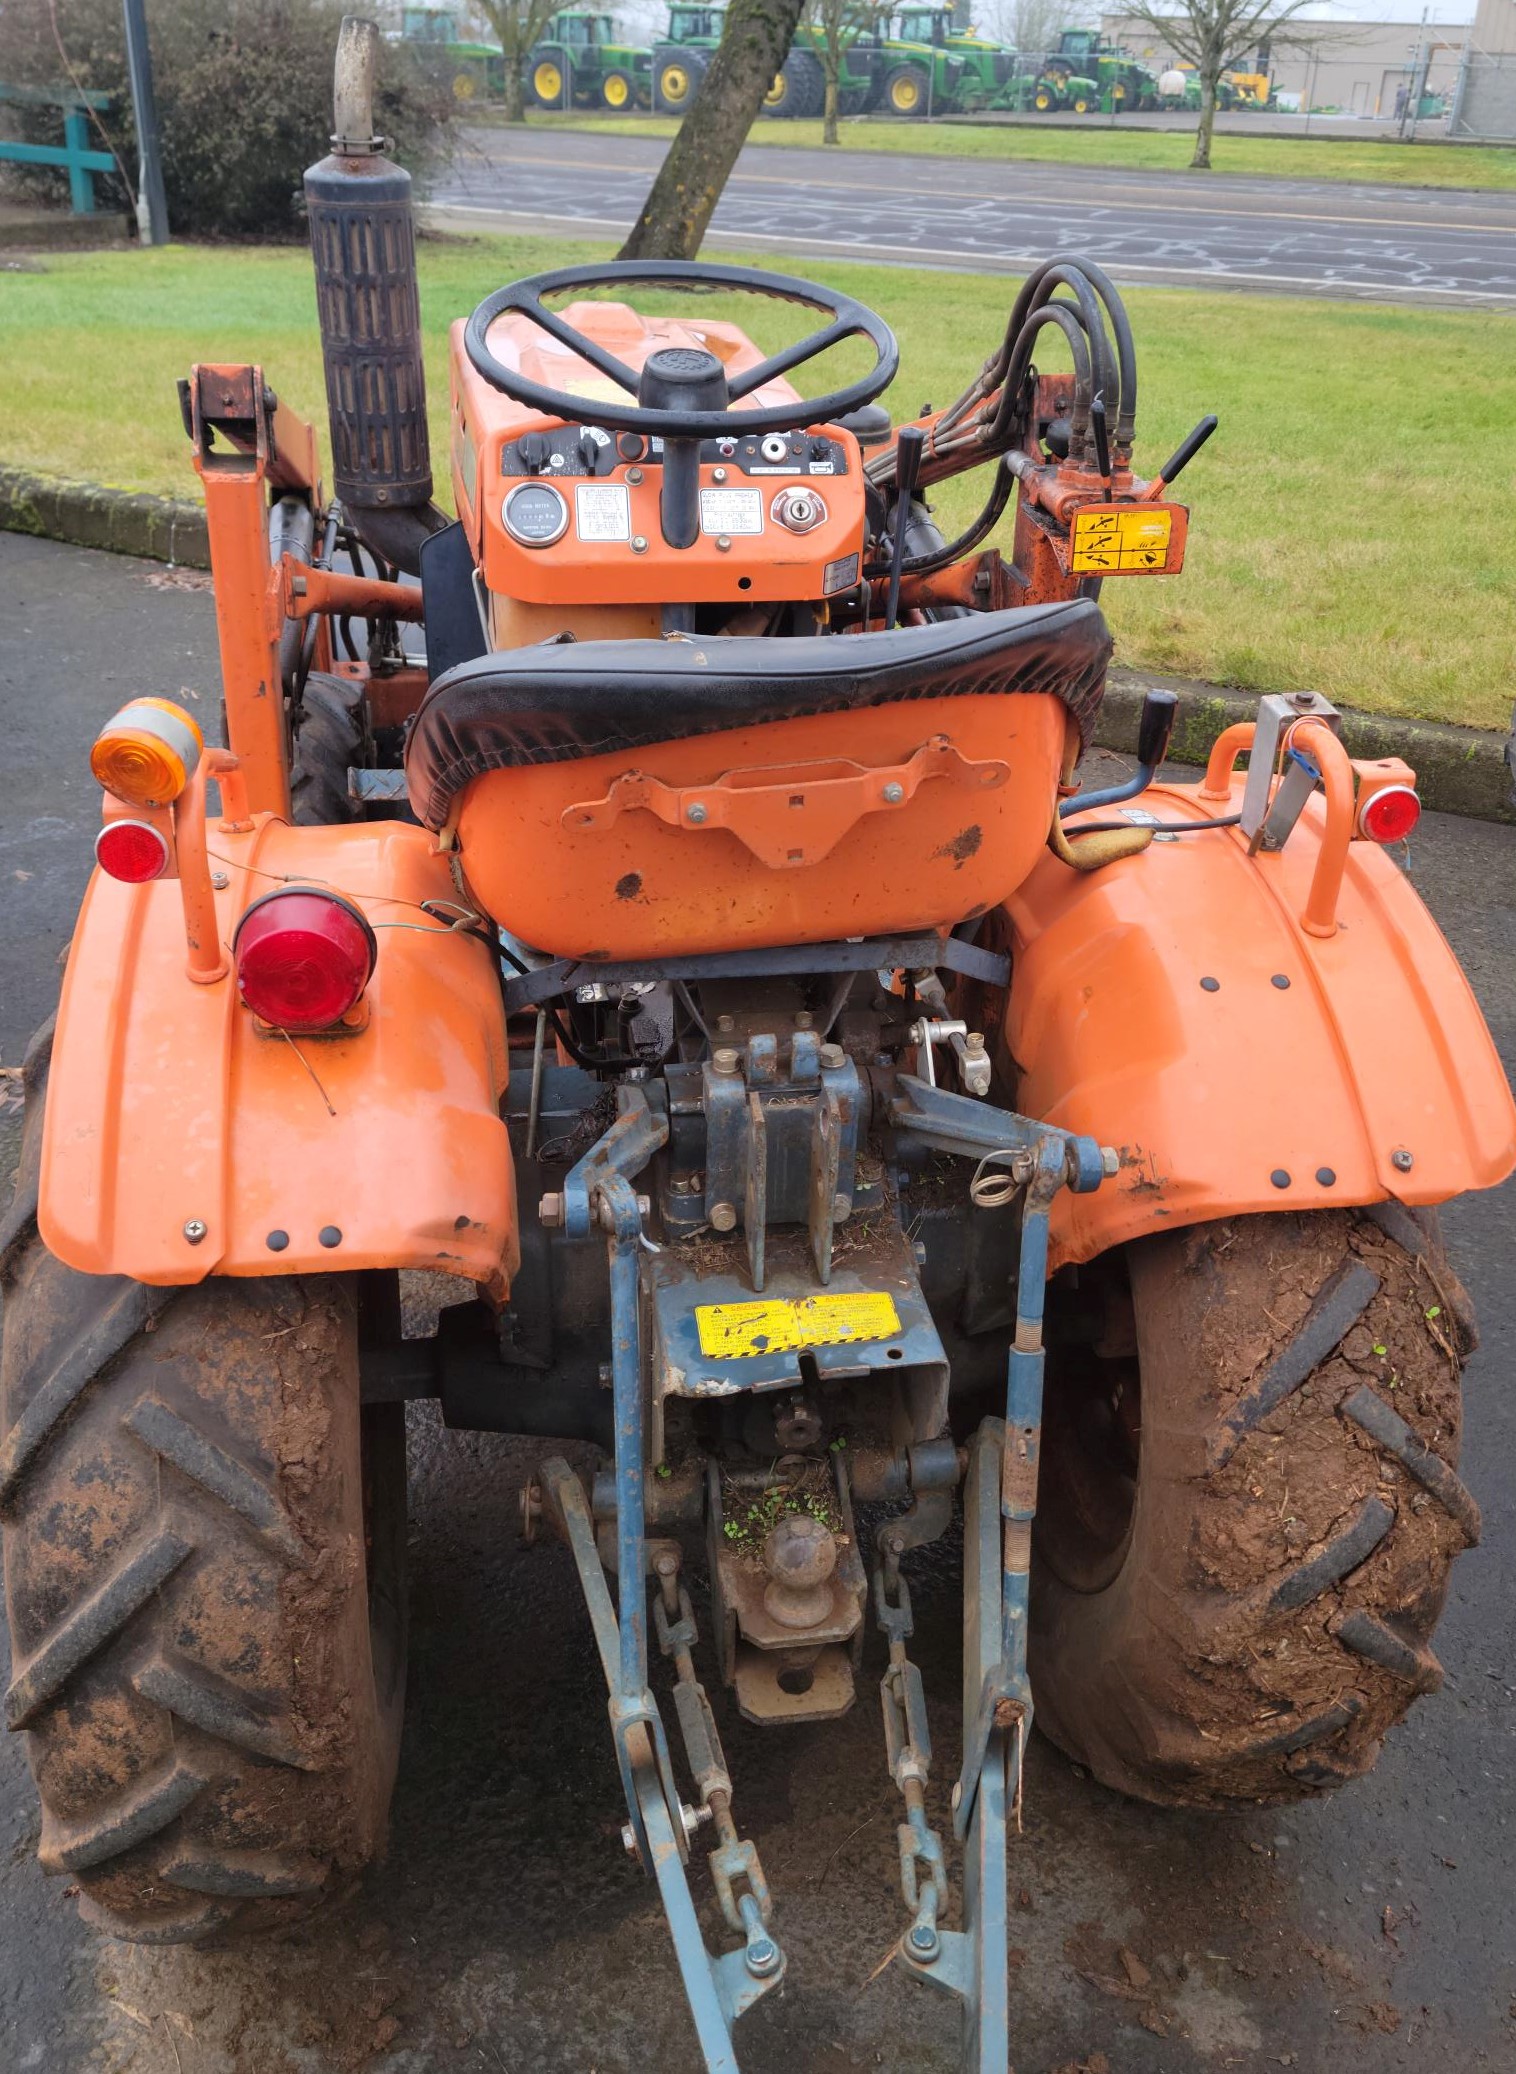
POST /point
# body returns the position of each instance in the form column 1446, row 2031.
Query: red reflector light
column 131, row 850
column 303, row 957
column 1390, row 814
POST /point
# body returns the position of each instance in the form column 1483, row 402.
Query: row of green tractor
column 906, row 62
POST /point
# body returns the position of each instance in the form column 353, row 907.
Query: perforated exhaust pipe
column 363, row 242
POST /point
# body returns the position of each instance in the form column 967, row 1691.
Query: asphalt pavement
column 1297, row 237
column 1373, row 1932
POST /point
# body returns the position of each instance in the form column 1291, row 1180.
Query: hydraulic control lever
column 1154, row 732
column 1180, row 459
column 908, row 445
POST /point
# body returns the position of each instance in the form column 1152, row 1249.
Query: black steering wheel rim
column 849, row 319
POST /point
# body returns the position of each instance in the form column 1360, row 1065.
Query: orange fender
column 168, row 1108
column 1179, row 1006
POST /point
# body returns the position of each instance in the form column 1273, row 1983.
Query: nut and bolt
column 718, row 475
column 629, row 1839
column 723, row 1216
column 220, row 880
column 639, row 543
column 1402, row 1161
column 723, row 543
column 922, row 1941
column 695, row 812
column 725, row 1023
column 634, row 476
column 195, row 1229
column 973, row 1044
column 550, row 1211
column 666, row 1565
column 803, row 1019
column 761, row 1957
column 1110, row 1161
column 893, row 794
column 833, row 1055
column 724, row 1059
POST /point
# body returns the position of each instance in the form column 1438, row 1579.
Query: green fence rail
column 74, row 153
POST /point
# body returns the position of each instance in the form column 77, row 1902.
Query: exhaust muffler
column 363, row 241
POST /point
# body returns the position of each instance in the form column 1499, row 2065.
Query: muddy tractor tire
column 204, row 1553
column 1249, row 1503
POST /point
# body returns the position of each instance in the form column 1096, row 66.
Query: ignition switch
column 798, row 511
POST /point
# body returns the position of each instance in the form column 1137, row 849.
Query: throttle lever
column 910, row 441
column 1181, row 457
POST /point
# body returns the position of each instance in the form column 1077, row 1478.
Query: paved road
column 1290, row 236
column 508, row 1935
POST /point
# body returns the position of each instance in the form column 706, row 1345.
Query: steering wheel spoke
column 848, row 319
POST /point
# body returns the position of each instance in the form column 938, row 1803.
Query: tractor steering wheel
column 681, row 390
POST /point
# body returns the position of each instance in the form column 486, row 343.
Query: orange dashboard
column 567, row 513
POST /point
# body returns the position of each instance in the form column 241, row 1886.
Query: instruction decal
column 1119, row 540
column 730, row 1331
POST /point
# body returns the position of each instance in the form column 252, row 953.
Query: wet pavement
column 1300, row 237
column 1370, row 1933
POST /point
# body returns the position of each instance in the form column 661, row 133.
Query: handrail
column 1319, row 915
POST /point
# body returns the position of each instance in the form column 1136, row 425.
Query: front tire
column 204, row 1548
column 906, row 92
column 1249, row 1503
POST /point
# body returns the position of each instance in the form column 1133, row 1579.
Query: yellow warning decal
column 728, row 1331
column 1120, row 537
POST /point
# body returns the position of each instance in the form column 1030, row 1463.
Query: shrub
column 244, row 93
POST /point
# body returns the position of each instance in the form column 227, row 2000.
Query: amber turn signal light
column 146, row 754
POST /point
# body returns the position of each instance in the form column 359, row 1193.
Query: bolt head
column 761, row 1957
column 639, row 543
column 725, row 1023
column 723, row 1216
column 718, row 475
column 893, row 794
column 695, row 812
column 723, row 540
column 833, row 1055
column 629, row 1839
column 1110, row 1161
column 923, row 1940
column 1402, row 1161
column 221, row 880
column 195, row 1229
column 724, row 1059
column 550, row 1211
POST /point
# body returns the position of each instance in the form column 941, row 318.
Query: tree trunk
column 701, row 157
column 829, row 123
column 1202, row 158
column 515, row 100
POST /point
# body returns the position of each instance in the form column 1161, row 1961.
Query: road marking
column 953, row 194
column 974, row 262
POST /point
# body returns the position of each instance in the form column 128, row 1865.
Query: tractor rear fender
column 182, row 1139
column 1172, row 1005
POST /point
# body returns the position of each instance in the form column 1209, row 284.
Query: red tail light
column 1390, row 814
column 303, row 957
column 131, row 850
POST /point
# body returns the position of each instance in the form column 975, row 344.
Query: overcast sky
column 1446, row 11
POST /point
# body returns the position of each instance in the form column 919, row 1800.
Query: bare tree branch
column 1213, row 34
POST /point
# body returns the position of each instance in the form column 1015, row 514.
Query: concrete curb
column 161, row 529
column 1459, row 770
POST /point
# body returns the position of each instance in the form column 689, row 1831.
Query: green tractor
column 580, row 64
column 916, row 76
column 799, row 87
column 988, row 68
column 474, row 71
column 1120, row 80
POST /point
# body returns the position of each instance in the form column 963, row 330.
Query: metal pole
column 152, row 207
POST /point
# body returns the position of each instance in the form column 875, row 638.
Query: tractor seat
column 558, row 702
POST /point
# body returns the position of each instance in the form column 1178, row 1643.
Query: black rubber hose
column 954, row 550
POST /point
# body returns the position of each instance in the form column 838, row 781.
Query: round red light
column 131, row 850
column 303, row 957
column 1390, row 815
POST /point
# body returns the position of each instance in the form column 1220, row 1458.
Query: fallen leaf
column 1133, row 1968
column 1155, row 2021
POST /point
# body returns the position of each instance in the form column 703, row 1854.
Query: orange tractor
column 680, row 922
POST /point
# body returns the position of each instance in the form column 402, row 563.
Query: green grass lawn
column 1292, row 158
column 1349, row 525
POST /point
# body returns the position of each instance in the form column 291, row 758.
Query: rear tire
column 799, row 88
column 906, row 92
column 676, row 79
column 204, row 1554
column 1236, row 1588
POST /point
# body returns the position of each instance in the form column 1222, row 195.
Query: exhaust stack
column 363, row 242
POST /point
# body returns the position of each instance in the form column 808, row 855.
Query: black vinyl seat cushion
column 561, row 701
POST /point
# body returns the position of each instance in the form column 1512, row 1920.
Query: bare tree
column 517, row 24
column 838, row 25
column 1211, row 35
column 1034, row 26
column 753, row 46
